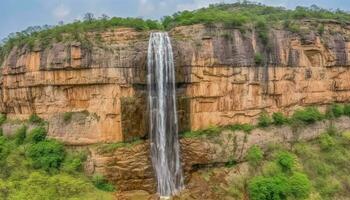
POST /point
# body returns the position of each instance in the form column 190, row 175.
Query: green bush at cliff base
column 280, row 179
column 326, row 142
column 280, row 187
column 307, row 115
column 285, row 160
column 74, row 162
column 2, row 119
column 279, row 119
column 35, row 119
column 247, row 128
column 334, row 111
column 37, row 134
column 20, row 135
column 347, row 110
column 101, row 183
column 47, row 155
column 264, row 120
column 254, row 156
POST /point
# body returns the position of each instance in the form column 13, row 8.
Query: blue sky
column 17, row 15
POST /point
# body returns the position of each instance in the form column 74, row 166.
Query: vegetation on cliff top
column 238, row 14
column 33, row 167
column 231, row 15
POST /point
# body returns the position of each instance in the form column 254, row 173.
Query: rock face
column 130, row 167
column 102, row 86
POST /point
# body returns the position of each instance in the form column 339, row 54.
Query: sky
column 17, row 15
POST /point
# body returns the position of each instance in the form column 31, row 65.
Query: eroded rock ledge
column 130, row 167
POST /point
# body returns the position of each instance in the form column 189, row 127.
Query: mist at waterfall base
column 165, row 150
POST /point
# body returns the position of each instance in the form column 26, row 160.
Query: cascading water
column 165, row 151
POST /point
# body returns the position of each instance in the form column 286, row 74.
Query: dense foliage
column 279, row 179
column 34, row 168
column 238, row 14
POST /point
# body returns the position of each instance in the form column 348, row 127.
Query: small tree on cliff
column 89, row 17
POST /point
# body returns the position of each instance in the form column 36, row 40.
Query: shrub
column 300, row 186
column 2, row 119
column 271, row 169
column 101, row 183
column 334, row 111
column 293, row 27
column 326, row 142
column 320, row 29
column 308, row 115
column 67, row 116
column 38, row 134
column 347, row 110
column 47, row 154
column 254, row 155
column 20, row 135
column 346, row 136
column 331, row 129
column 73, row 162
column 5, row 149
column 258, row 59
column 268, row 188
column 230, row 163
column 327, row 187
column 279, row 119
column 264, row 120
column 35, row 119
column 247, row 128
column 285, row 160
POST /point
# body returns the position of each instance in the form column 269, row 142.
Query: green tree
column 47, row 155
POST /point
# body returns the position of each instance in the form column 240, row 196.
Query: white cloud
column 61, row 12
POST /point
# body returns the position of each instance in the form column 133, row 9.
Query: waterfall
column 165, row 151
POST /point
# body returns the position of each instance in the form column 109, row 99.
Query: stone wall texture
column 103, row 86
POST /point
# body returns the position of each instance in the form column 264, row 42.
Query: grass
column 247, row 128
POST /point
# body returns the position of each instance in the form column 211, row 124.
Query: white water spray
column 165, row 149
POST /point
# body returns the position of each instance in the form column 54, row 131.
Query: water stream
column 165, row 151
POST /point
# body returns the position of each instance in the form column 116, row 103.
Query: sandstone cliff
column 102, row 86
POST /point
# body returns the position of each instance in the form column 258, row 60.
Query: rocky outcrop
column 130, row 167
column 219, row 81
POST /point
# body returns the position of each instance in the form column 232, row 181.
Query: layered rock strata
column 102, row 86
